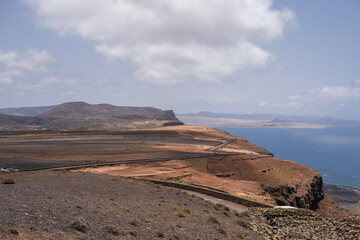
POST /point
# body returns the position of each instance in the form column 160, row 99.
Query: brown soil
column 70, row 205
column 253, row 173
column 98, row 146
column 177, row 170
column 262, row 179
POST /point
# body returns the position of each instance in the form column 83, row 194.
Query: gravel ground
column 303, row 224
column 72, row 205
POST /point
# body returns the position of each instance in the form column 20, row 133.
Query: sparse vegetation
column 220, row 230
column 133, row 223
column 80, row 225
column 160, row 234
column 179, row 214
column 8, row 181
column 218, row 206
column 33, row 229
column 245, row 214
column 242, row 223
column 185, row 210
column 14, row 231
column 112, row 230
column 212, row 219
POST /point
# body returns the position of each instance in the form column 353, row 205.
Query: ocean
column 333, row 152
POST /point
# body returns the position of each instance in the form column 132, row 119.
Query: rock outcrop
column 285, row 195
column 286, row 182
column 302, row 224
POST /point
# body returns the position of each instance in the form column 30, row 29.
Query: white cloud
column 43, row 85
column 16, row 63
column 63, row 80
column 33, row 87
column 51, row 84
column 280, row 105
column 104, row 80
column 262, row 104
column 69, row 93
column 112, row 94
column 172, row 41
column 330, row 94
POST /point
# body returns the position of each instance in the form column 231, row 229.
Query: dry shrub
column 80, row 225
column 8, row 181
column 212, row 219
column 14, row 231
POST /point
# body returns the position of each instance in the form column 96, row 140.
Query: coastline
column 347, row 197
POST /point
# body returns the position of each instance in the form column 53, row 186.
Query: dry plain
column 178, row 154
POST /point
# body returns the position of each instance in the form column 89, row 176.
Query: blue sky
column 292, row 57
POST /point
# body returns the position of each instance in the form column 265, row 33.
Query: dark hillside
column 84, row 116
column 27, row 111
column 82, row 109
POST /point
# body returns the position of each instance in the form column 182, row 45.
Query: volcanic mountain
column 84, row 116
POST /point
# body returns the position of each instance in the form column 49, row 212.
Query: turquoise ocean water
column 334, row 152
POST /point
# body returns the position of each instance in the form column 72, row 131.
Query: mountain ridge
column 85, row 116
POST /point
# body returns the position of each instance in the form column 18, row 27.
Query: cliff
column 285, row 182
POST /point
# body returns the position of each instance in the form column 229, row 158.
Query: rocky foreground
column 302, row 224
column 72, row 205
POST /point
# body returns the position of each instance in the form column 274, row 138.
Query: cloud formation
column 29, row 71
column 172, row 41
column 280, row 105
column 17, row 63
column 46, row 85
column 330, row 94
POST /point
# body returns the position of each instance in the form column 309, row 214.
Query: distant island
column 257, row 120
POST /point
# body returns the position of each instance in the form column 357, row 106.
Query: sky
column 234, row 56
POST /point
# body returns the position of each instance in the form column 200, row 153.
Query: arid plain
column 179, row 157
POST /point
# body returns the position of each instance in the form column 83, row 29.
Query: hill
column 27, row 111
column 84, row 116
